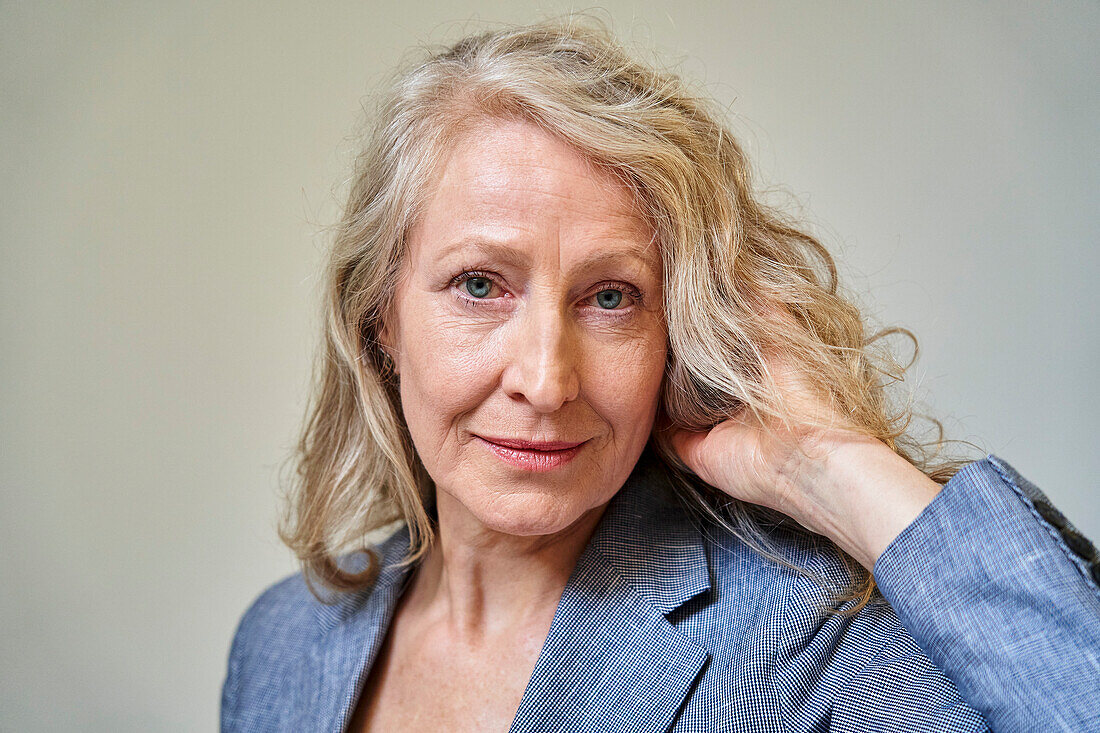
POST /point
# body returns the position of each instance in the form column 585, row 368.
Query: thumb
column 687, row 445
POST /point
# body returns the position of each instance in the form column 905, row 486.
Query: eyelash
column 629, row 290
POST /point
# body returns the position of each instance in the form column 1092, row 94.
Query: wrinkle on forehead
column 629, row 254
column 499, row 199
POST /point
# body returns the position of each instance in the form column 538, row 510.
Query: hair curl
column 730, row 263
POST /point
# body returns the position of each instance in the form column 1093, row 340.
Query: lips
column 533, row 456
column 534, row 445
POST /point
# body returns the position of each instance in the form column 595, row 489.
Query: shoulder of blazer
column 281, row 630
column 282, row 615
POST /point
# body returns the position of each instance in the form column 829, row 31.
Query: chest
column 414, row 686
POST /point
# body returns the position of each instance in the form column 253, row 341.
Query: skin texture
column 530, row 352
column 848, row 487
column 537, row 357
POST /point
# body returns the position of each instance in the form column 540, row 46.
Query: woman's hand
column 848, row 487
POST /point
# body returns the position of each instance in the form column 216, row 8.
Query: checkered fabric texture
column 991, row 621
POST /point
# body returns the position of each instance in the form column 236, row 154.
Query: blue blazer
column 993, row 620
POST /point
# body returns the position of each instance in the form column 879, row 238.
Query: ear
column 387, row 342
column 385, row 338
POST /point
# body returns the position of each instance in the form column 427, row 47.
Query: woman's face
column 530, row 309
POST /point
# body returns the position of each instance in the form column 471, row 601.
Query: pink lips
column 533, row 456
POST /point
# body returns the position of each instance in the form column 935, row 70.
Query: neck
column 481, row 583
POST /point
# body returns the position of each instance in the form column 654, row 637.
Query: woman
column 639, row 447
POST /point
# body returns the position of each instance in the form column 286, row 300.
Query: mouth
column 551, row 445
column 535, row 456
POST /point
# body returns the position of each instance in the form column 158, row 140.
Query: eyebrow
column 504, row 253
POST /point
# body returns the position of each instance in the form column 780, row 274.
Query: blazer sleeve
column 1002, row 593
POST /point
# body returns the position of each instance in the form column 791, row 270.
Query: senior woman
column 639, row 449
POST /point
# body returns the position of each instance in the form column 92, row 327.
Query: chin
column 528, row 515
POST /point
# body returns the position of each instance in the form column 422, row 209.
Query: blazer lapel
column 612, row 661
column 350, row 637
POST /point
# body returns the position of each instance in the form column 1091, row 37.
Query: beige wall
column 166, row 168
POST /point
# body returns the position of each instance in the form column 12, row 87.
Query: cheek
column 628, row 378
column 445, row 371
column 436, row 353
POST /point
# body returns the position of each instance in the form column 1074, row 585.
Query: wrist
column 861, row 495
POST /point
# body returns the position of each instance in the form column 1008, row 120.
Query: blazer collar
column 648, row 537
column 611, row 660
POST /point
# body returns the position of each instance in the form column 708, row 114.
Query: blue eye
column 479, row 287
column 609, row 299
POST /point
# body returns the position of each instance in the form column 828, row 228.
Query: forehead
column 510, row 188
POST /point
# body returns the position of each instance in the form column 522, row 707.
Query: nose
column 542, row 360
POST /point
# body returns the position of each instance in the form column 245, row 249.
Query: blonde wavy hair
column 731, row 264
